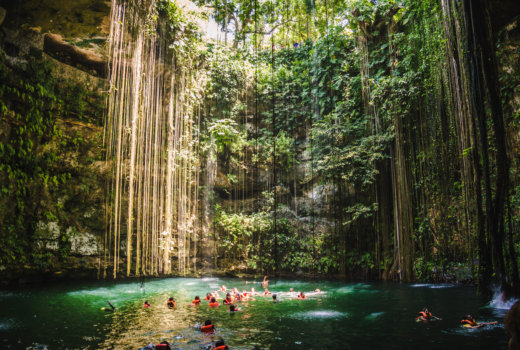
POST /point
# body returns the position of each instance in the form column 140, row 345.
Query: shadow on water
column 341, row 316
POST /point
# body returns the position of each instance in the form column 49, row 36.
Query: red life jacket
column 214, row 304
column 208, row 329
column 196, row 302
column 171, row 303
column 222, row 347
column 162, row 347
column 227, row 301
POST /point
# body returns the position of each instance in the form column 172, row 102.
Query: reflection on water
column 319, row 314
column 340, row 316
column 431, row 285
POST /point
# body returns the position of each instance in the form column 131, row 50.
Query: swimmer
column 469, row 322
column 266, row 292
column 223, row 288
column 208, row 296
column 220, row 345
column 164, row 345
column 265, row 282
column 208, row 327
column 253, row 291
column 171, row 302
column 213, row 302
column 301, row 295
column 228, row 299
column 112, row 307
column 275, row 300
column 196, row 301
column 233, row 308
column 426, row 315
column 291, row 290
column 146, row 304
column 317, row 290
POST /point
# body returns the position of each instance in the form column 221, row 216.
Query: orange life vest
column 214, row 304
column 425, row 315
column 301, row 297
column 196, row 302
column 227, row 301
column 207, row 298
column 472, row 324
column 208, row 329
column 170, row 303
column 162, row 347
column 222, row 347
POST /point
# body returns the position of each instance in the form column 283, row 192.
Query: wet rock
column 84, row 243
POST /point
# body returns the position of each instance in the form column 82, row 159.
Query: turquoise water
column 342, row 316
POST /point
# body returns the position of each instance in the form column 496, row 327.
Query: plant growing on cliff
column 28, row 164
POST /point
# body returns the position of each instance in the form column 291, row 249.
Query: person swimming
column 266, row 292
column 220, row 345
column 275, row 300
column 426, row 315
column 265, row 282
column 112, row 307
column 146, row 304
column 208, row 327
column 171, row 302
column 228, row 299
column 164, row 345
column 302, row 295
column 196, row 301
column 233, row 308
column 469, row 322
column 213, row 302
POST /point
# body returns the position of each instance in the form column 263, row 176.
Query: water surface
column 343, row 316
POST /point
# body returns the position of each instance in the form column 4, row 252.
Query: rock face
column 68, row 37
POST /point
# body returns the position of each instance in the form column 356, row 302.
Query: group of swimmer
column 232, row 296
column 467, row 321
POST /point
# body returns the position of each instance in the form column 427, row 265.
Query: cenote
column 341, row 316
column 314, row 140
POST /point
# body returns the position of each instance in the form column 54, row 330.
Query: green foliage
column 28, row 164
column 181, row 26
